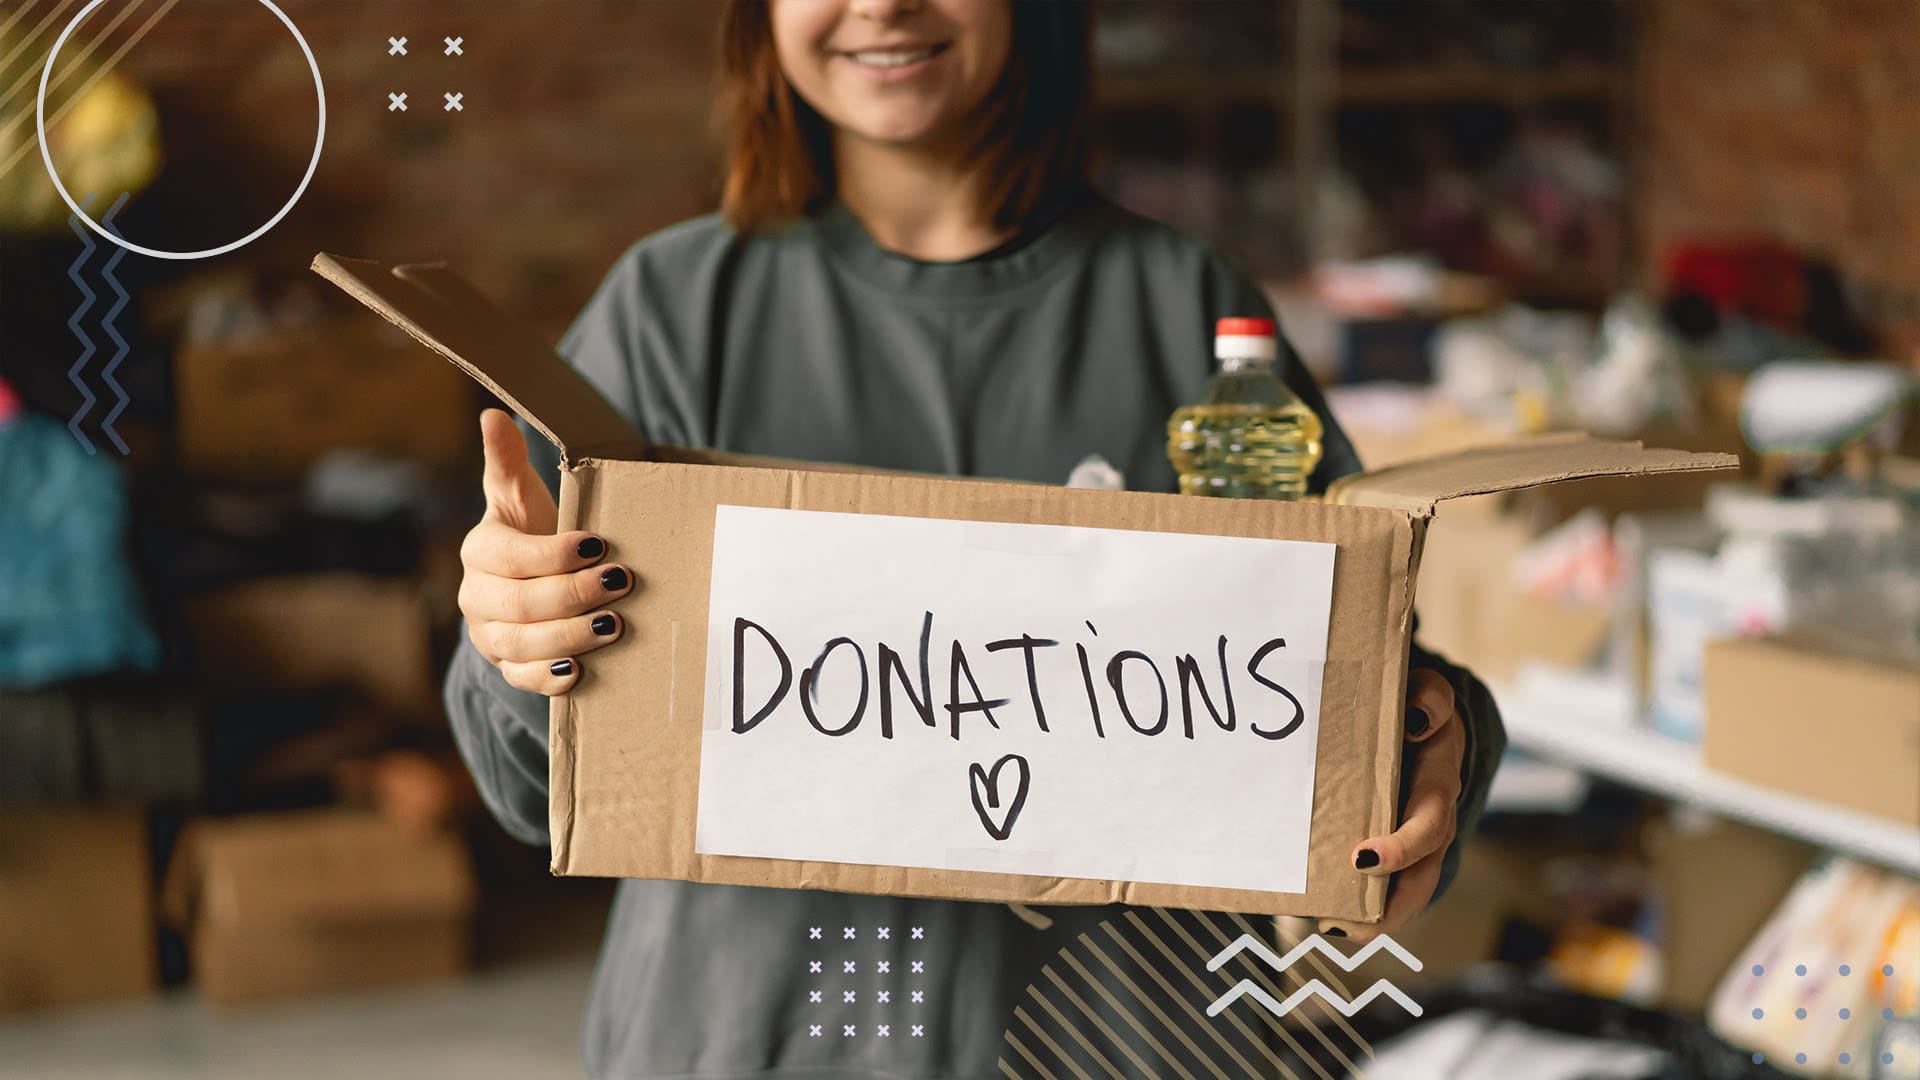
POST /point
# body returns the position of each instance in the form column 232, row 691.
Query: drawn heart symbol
column 979, row 778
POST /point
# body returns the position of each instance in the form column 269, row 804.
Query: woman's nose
column 882, row 10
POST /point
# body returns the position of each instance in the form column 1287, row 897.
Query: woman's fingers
column 487, row 598
column 1429, row 704
column 516, row 496
column 1412, row 892
column 497, row 548
column 526, row 642
column 549, row 677
column 1429, row 823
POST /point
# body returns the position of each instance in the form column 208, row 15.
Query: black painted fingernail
column 561, row 668
column 602, row 625
column 613, row 580
column 1336, row 932
column 1416, row 721
column 592, row 548
column 1367, row 859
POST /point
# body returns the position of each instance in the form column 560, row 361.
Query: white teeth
column 897, row 58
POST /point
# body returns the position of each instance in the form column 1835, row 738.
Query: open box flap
column 1417, row 486
column 446, row 314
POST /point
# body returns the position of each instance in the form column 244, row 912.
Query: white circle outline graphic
column 46, row 155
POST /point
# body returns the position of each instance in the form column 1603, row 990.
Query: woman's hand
column 533, row 600
column 1416, row 849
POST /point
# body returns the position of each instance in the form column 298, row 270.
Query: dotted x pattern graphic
column 837, row 980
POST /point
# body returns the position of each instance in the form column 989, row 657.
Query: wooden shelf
column 1409, row 86
column 1401, row 86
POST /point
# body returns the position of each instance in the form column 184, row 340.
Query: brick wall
column 1797, row 120
column 585, row 125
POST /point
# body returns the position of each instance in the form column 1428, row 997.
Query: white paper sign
column 1034, row 699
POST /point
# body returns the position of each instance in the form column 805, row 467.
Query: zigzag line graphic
column 120, row 344
column 73, row 324
column 1313, row 988
column 1311, row 943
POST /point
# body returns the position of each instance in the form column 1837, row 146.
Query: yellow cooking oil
column 1249, row 436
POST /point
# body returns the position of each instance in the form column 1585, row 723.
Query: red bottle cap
column 1244, row 328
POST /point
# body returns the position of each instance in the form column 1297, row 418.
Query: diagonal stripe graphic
column 1059, row 1055
column 54, row 118
column 1304, row 1020
column 1272, row 1023
column 1132, row 999
column 1021, row 1049
column 1066, row 1025
column 1120, row 1008
column 1113, row 1037
column 26, row 42
column 12, row 20
column 1141, row 927
column 1246, row 1067
column 1158, row 1013
column 1326, row 975
column 69, row 65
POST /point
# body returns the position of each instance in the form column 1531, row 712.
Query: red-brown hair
column 1033, row 142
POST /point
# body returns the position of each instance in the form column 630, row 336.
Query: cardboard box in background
column 1792, row 716
column 267, row 410
column 317, row 631
column 626, row 747
column 1717, row 883
column 1473, row 611
column 279, row 905
column 76, row 907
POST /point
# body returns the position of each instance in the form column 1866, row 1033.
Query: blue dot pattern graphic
column 1845, row 970
column 1886, row 1059
column 1758, row 1013
column 1801, row 970
column 1845, row 1057
column 1887, row 970
column 1758, row 970
column 1799, row 1059
column 1846, row 1014
column 1758, row 1057
column 1799, row 1014
column 1886, row 1014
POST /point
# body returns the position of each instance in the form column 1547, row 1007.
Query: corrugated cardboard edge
column 563, row 745
column 441, row 311
column 1417, row 487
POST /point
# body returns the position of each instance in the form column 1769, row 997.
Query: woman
column 909, row 271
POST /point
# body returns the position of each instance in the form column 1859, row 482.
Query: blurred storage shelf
column 1362, row 86
column 1549, row 717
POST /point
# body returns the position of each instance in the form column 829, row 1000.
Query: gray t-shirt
column 813, row 342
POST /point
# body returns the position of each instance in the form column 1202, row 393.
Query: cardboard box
column 627, row 742
column 315, row 631
column 1839, row 729
column 281, row 905
column 76, row 907
column 1718, row 881
column 1474, row 612
column 266, row 411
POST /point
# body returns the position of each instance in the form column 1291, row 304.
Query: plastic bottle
column 1248, row 437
